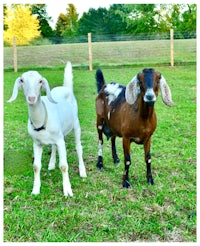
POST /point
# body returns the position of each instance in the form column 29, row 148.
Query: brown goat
column 128, row 112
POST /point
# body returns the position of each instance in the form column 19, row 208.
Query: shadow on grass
column 17, row 163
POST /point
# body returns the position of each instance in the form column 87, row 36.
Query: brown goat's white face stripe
column 113, row 90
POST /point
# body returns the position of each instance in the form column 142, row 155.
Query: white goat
column 49, row 121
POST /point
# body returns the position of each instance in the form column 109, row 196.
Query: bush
column 40, row 41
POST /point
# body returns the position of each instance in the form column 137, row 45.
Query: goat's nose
column 31, row 99
column 149, row 97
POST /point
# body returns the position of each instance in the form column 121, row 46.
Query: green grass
column 126, row 53
column 101, row 210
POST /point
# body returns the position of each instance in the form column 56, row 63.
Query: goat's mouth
column 150, row 103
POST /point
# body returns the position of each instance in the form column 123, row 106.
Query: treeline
column 120, row 20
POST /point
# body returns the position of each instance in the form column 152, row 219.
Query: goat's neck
column 37, row 113
column 146, row 112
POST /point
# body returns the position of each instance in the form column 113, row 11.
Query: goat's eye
column 40, row 82
column 21, row 81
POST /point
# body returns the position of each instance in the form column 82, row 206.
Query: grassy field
column 137, row 53
column 101, row 210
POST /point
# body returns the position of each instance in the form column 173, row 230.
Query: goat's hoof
column 150, row 181
column 100, row 162
column 83, row 174
column 51, row 168
column 100, row 165
column 68, row 192
column 66, row 195
column 116, row 160
column 35, row 193
column 126, row 183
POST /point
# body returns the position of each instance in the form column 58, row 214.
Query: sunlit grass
column 101, row 210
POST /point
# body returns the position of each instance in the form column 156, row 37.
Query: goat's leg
column 148, row 161
column 37, row 167
column 63, row 165
column 100, row 144
column 114, row 152
column 79, row 150
column 52, row 162
column 127, row 162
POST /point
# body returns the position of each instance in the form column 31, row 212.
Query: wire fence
column 117, row 52
column 122, row 37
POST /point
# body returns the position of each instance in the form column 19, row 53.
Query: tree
column 72, row 19
column 21, row 24
column 140, row 18
column 67, row 24
column 5, row 26
column 61, row 24
column 180, row 17
column 40, row 11
column 94, row 21
column 115, row 22
column 189, row 18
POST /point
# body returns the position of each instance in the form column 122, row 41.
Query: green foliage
column 117, row 19
column 141, row 18
column 61, row 24
column 5, row 26
column 103, row 21
column 180, row 17
column 94, row 21
column 138, row 18
column 101, row 210
column 40, row 11
column 67, row 23
column 189, row 18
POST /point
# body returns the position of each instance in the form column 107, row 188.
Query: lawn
column 101, row 210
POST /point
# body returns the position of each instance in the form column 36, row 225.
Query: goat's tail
column 68, row 76
column 100, row 82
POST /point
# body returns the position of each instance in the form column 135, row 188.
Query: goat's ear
column 17, row 85
column 165, row 92
column 45, row 86
column 132, row 90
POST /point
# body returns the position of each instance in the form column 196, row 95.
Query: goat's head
column 147, row 84
column 31, row 82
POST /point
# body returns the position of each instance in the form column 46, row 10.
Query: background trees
column 20, row 23
column 40, row 11
column 131, row 19
column 67, row 23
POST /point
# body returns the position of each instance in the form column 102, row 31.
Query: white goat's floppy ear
column 45, row 86
column 16, row 87
column 165, row 92
column 132, row 91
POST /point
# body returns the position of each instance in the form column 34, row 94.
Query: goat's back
column 64, row 113
column 62, row 94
